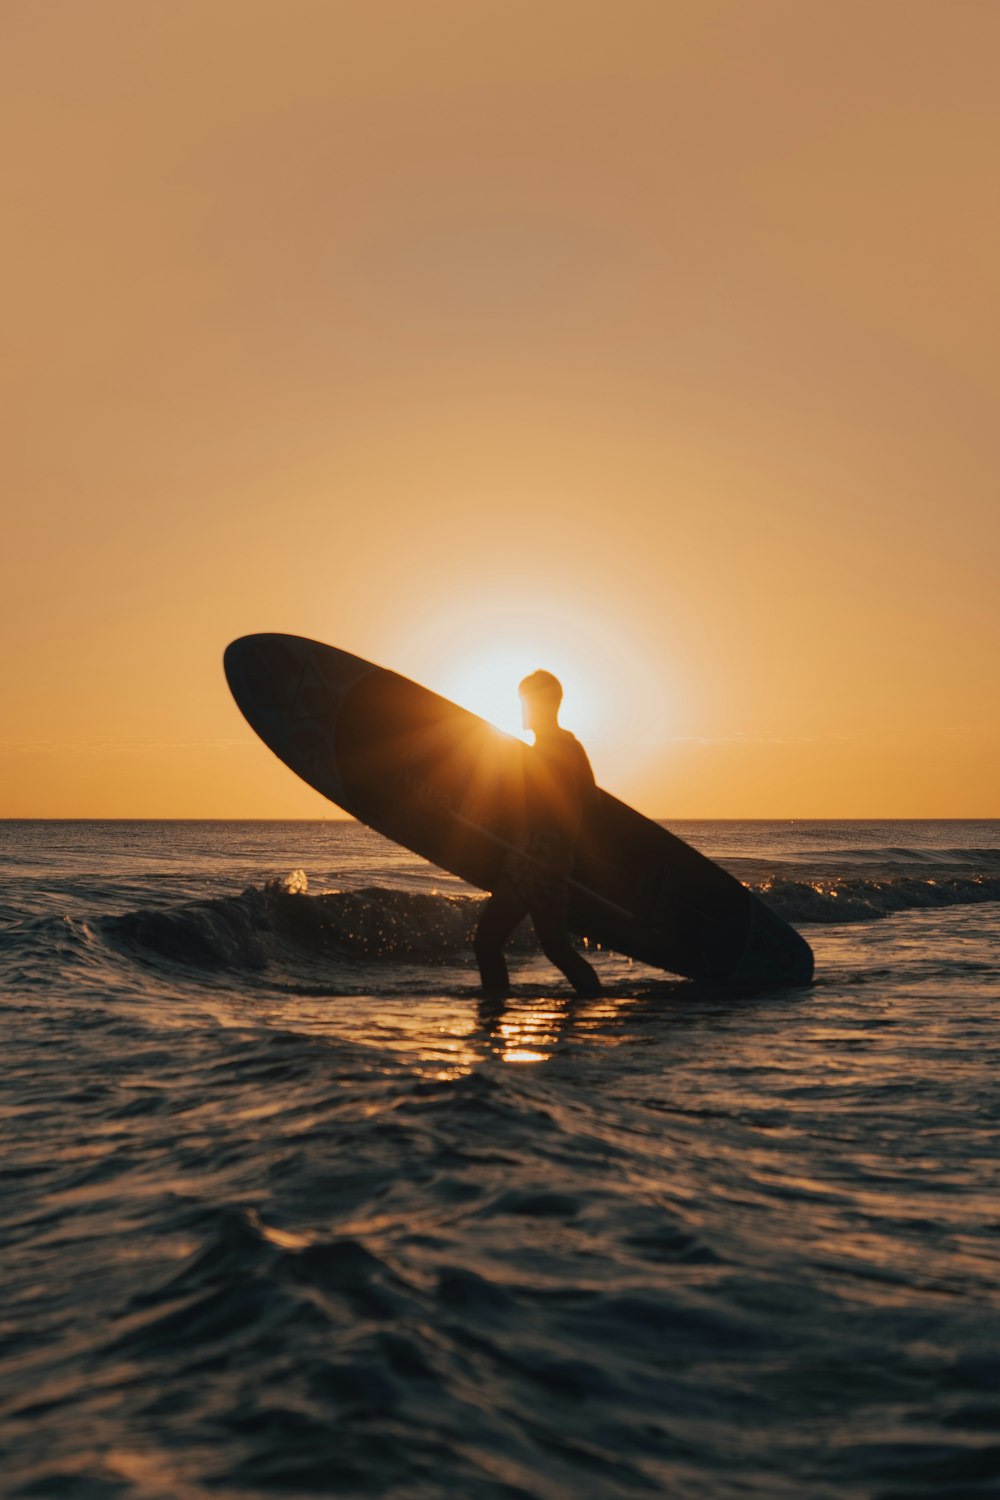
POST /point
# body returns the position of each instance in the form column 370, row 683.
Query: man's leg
column 500, row 916
column 549, row 919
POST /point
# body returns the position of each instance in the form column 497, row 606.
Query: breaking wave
column 281, row 919
column 281, row 927
column 271, row 921
column 853, row 899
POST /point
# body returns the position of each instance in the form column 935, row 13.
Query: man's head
column 541, row 695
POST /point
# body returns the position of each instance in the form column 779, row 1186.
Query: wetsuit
column 533, row 878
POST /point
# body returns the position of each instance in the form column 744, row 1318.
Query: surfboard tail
column 774, row 953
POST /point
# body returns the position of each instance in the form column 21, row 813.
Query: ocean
column 287, row 1211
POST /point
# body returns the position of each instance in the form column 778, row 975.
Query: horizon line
column 666, row 818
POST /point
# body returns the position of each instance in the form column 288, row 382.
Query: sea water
column 287, row 1210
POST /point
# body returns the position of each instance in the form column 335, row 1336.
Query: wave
column 856, row 899
column 282, row 926
column 883, row 862
column 902, row 854
column 281, row 920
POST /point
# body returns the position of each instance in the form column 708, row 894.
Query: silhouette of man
column 533, row 877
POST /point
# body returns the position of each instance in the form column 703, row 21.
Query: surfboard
column 449, row 786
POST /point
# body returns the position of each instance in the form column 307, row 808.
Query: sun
column 616, row 688
column 485, row 681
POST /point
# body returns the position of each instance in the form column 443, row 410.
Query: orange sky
column 661, row 337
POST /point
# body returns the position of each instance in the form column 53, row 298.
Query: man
column 533, row 878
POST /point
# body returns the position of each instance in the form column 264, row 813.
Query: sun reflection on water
column 529, row 1035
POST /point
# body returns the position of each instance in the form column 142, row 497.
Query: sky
column 651, row 342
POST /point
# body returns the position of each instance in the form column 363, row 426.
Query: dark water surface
column 286, row 1211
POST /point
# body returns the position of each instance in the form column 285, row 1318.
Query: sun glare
column 486, row 682
column 614, row 698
